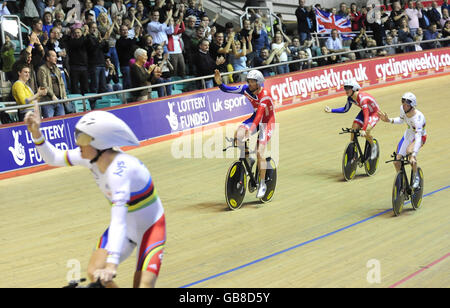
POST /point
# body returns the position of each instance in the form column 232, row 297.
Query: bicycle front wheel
column 350, row 161
column 398, row 193
column 235, row 185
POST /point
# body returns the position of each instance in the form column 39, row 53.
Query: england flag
column 327, row 21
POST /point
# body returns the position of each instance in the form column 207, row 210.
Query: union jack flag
column 327, row 21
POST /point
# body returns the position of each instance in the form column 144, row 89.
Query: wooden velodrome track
column 319, row 231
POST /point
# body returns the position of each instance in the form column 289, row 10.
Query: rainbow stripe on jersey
column 143, row 198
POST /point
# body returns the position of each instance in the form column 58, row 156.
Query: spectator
column 424, row 21
column 78, row 60
column 100, row 8
column 110, row 30
column 125, row 49
column 343, row 11
column 260, row 38
column 88, row 14
column 195, row 10
column 205, row 64
column 118, row 9
column 398, row 14
column 445, row 5
column 218, row 48
column 22, row 93
column 47, row 23
column 198, row 37
column 175, row 48
column 49, row 77
column 431, row 34
column 332, row 59
column 334, row 43
column 161, row 59
column 294, row 54
column 413, row 16
column 389, row 49
column 360, row 42
column 4, row 9
column 141, row 76
column 111, row 75
column 97, row 48
column 209, row 32
column 49, row 6
column 229, row 30
column 445, row 17
column 190, row 27
column 355, row 17
column 60, row 48
column 8, row 58
column 433, row 14
column 26, row 58
column 238, row 58
column 159, row 31
column 282, row 51
column 265, row 57
column 446, row 33
column 405, row 36
column 37, row 50
column 142, row 14
column 304, row 23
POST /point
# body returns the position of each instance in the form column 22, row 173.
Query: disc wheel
column 271, row 180
column 416, row 197
column 350, row 161
column 235, row 185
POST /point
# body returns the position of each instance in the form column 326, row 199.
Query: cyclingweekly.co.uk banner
column 197, row 109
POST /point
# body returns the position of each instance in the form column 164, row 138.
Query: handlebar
column 404, row 159
column 350, row 131
column 234, row 144
column 75, row 284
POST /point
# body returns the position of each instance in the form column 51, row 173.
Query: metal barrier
column 124, row 92
column 12, row 26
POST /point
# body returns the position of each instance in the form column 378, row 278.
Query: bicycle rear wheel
column 350, row 161
column 235, row 185
column 416, row 196
column 371, row 165
column 398, row 193
column 271, row 180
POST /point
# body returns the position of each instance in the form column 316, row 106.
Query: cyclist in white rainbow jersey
column 137, row 215
column 415, row 135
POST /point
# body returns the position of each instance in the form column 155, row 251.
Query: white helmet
column 353, row 84
column 410, row 99
column 256, row 75
column 104, row 130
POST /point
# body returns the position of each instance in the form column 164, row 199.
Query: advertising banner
column 197, row 109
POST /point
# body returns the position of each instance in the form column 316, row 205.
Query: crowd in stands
column 98, row 46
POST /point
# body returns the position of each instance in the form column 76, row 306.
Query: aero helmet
column 410, row 99
column 256, row 75
column 103, row 130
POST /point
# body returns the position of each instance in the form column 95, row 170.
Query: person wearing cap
column 367, row 118
column 262, row 119
column 415, row 135
column 137, row 215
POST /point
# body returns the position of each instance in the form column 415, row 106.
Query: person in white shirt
column 413, row 17
column 159, row 31
column 334, row 43
column 415, row 135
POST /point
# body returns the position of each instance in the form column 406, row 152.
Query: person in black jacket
column 97, row 48
column 304, row 22
column 78, row 63
column 125, row 50
column 205, row 64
